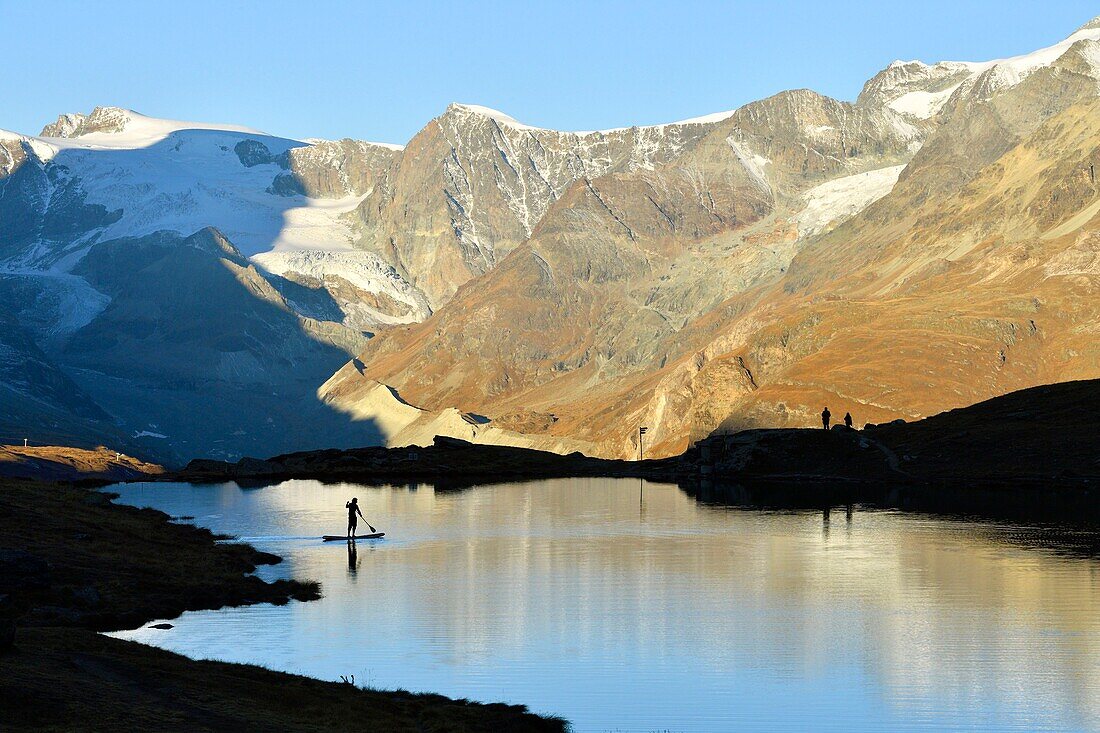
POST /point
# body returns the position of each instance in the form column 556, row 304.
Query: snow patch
column 752, row 162
column 706, row 119
column 319, row 224
column 364, row 270
column 493, row 114
column 995, row 75
column 921, row 104
column 65, row 301
column 512, row 122
column 1008, row 72
column 41, row 149
column 843, row 198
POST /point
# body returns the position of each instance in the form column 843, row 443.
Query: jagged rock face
column 338, row 168
column 987, row 291
column 973, row 276
column 913, row 88
column 253, row 152
column 102, row 119
column 13, row 153
column 67, row 125
column 473, row 184
column 807, row 138
column 621, row 262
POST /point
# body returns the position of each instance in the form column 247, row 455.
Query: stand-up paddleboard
column 334, row 537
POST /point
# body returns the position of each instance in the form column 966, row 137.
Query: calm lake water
column 630, row 607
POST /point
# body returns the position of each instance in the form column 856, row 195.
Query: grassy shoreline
column 72, row 563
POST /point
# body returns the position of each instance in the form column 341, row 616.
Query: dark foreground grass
column 72, row 563
column 70, row 679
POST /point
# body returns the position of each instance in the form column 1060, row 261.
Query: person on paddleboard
column 353, row 509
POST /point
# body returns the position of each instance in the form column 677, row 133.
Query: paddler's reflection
column 353, row 558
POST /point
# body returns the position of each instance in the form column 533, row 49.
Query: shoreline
column 1030, row 452
column 73, row 564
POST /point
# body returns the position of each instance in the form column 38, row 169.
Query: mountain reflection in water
column 623, row 606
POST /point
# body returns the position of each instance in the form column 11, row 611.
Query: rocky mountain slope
column 925, row 246
column 634, row 304
column 474, row 183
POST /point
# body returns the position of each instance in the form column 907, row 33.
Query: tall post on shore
column 25, row 443
column 642, row 430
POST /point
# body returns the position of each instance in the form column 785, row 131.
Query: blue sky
column 379, row 71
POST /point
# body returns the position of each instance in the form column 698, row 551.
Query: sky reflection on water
column 628, row 608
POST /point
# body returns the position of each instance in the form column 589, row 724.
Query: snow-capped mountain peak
column 506, row 120
column 115, row 127
column 493, row 114
column 921, row 90
column 1008, row 72
column 1093, row 24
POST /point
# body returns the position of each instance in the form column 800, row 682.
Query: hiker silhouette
column 848, row 419
column 825, row 415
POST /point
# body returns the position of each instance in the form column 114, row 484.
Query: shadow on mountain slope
column 166, row 345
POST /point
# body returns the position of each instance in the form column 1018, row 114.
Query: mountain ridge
column 567, row 285
column 608, row 409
